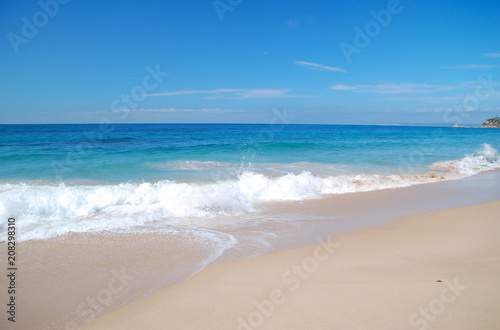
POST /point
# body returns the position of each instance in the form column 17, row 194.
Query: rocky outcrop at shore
column 491, row 123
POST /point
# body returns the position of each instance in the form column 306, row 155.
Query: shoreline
column 436, row 269
column 86, row 276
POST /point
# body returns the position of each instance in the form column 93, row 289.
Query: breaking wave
column 47, row 210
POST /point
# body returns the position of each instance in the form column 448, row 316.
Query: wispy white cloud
column 471, row 66
column 232, row 93
column 444, row 99
column 436, row 110
column 392, row 88
column 495, row 55
column 188, row 92
column 450, row 109
column 426, row 99
column 262, row 93
column 342, row 87
column 175, row 110
column 318, row 67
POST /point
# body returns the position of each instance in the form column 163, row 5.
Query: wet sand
column 70, row 280
column 436, row 270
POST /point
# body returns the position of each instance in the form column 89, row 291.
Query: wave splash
column 484, row 159
column 52, row 209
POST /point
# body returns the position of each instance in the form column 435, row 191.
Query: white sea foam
column 484, row 159
column 47, row 210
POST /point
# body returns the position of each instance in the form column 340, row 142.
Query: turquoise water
column 58, row 179
column 181, row 151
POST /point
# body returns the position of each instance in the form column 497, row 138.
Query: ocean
column 61, row 179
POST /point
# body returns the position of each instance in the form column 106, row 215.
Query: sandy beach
column 436, row 270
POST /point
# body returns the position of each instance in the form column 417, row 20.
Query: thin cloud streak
column 450, row 109
column 175, row 110
column 471, row 66
column 494, row 55
column 318, row 67
column 232, row 93
column 188, row 92
column 420, row 98
column 392, row 88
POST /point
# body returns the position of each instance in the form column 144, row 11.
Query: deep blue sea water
column 74, row 178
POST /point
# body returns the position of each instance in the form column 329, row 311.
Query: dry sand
column 438, row 270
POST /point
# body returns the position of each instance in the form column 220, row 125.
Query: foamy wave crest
column 59, row 209
column 484, row 159
column 50, row 210
column 46, row 210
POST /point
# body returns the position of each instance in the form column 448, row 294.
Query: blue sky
column 241, row 61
